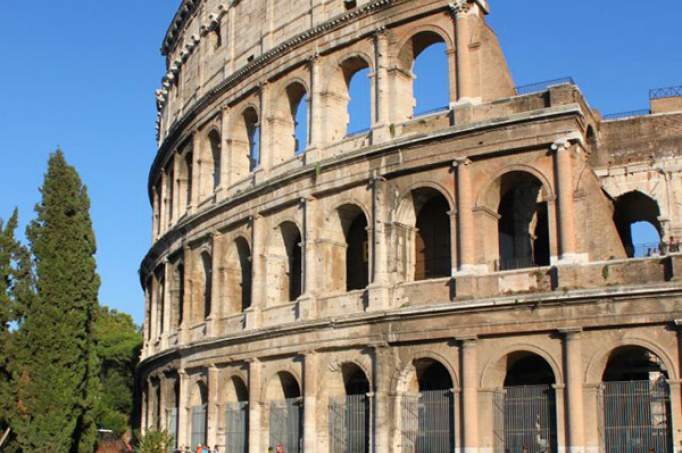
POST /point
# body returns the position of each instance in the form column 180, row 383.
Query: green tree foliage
column 15, row 274
column 155, row 442
column 56, row 368
column 118, row 342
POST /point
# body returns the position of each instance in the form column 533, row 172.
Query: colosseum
column 465, row 279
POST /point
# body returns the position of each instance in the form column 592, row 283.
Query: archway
column 425, row 55
column 432, row 237
column 207, row 282
column 523, row 230
column 286, row 413
column 354, row 224
column 428, row 409
column 525, row 410
column 356, row 75
column 636, row 217
column 636, row 413
column 349, row 413
column 236, row 416
column 199, row 412
column 238, row 275
column 299, row 120
column 215, row 144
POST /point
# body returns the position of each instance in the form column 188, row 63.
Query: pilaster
column 307, row 303
column 469, row 364
column 384, row 364
column 379, row 294
column 310, row 375
column 255, row 406
column 380, row 129
column 183, row 403
column 575, row 432
column 212, row 407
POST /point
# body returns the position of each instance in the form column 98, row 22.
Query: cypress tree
column 9, row 252
column 56, row 365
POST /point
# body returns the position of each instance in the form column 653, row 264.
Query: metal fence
column 636, row 417
column 198, row 425
column 668, row 92
column 427, row 422
column 543, row 86
column 172, row 424
column 349, row 424
column 285, row 425
column 525, row 419
column 628, row 114
column 237, row 427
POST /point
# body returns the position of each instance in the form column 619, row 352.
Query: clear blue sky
column 82, row 75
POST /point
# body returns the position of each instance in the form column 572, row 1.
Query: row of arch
column 348, row 95
column 524, row 405
column 519, row 199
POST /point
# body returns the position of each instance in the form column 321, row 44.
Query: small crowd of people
column 201, row 448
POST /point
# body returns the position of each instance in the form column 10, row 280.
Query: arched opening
column 525, row 411
column 354, row 224
column 199, row 420
column 356, row 74
column 298, row 107
column 214, row 141
column 172, row 411
column 523, row 231
column 238, row 275
column 349, row 413
column 432, row 236
column 207, row 276
column 636, row 402
column 252, row 125
column 178, row 294
column 291, row 238
column 160, row 300
column 236, row 416
column 186, row 179
column 170, row 193
column 430, row 70
column 428, row 409
column 286, row 413
column 636, row 216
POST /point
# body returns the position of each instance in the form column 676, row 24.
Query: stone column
column 381, row 132
column 469, row 364
column 564, row 175
column 225, row 176
column 186, row 324
column 163, row 208
column 183, row 403
column 176, row 187
column 196, row 170
column 166, row 307
column 255, row 405
column 144, row 403
column 156, row 231
column 163, row 402
column 575, row 434
column 310, row 370
column 146, row 326
column 384, row 364
column 212, row 407
column 258, row 277
column 216, row 285
column 307, row 301
column 379, row 287
column 462, row 9
column 267, row 120
column 316, row 129
column 676, row 391
column 465, row 226
column 153, row 312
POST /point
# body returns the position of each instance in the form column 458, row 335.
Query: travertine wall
column 233, row 236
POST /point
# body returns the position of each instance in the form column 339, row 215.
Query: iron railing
column 349, row 424
column 198, row 425
column 525, row 419
column 538, row 87
column 630, row 114
column 237, row 427
column 286, row 418
column 667, row 92
column 427, row 422
column 636, row 417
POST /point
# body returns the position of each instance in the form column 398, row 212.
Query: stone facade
column 460, row 255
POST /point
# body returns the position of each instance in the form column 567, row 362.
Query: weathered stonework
column 469, row 240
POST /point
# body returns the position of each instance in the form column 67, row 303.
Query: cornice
column 578, row 296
